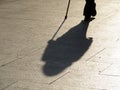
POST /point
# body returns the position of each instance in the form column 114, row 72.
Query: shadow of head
column 68, row 48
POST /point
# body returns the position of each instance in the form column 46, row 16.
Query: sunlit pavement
column 34, row 57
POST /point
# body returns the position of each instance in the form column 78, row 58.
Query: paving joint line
column 9, row 85
column 58, row 78
column 35, row 51
column 95, row 54
column 105, row 69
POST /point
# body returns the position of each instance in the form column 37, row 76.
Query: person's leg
column 87, row 11
column 94, row 12
column 87, row 17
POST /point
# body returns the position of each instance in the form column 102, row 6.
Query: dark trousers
column 90, row 8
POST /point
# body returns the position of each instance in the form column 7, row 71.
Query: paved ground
column 31, row 60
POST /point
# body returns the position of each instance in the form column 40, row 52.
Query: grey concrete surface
column 30, row 60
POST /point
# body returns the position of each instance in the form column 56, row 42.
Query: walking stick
column 67, row 9
column 63, row 20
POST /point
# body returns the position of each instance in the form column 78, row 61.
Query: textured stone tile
column 109, row 55
column 113, row 70
column 5, row 83
column 23, row 85
column 26, row 26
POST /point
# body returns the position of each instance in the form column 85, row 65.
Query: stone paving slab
column 30, row 60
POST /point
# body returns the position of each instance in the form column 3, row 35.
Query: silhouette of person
column 89, row 9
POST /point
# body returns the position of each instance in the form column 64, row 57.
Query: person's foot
column 92, row 18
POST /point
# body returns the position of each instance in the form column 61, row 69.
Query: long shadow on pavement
column 70, row 47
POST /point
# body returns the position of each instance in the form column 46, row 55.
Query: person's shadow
column 70, row 47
